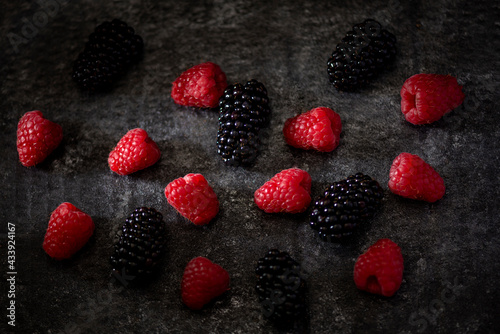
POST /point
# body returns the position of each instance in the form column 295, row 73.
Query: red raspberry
column 135, row 151
column 412, row 177
column 288, row 191
column 202, row 281
column 193, row 197
column 425, row 98
column 317, row 129
column 200, row 86
column 37, row 137
column 69, row 230
column 380, row 269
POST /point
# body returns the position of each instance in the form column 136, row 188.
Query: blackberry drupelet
column 280, row 288
column 360, row 56
column 243, row 111
column 111, row 49
column 140, row 245
column 344, row 205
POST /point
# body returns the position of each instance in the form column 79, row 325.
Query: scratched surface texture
column 450, row 248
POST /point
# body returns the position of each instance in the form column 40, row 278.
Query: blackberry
column 360, row 56
column 344, row 205
column 140, row 245
column 111, row 49
column 243, row 111
column 280, row 288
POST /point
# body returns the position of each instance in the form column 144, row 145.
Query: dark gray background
column 450, row 244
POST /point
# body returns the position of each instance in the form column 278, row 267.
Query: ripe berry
column 140, row 246
column 317, row 129
column 361, row 56
column 37, row 137
column 344, row 205
column 243, row 111
column 281, row 289
column 425, row 98
column 412, row 177
column 288, row 191
column 68, row 231
column 200, row 86
column 203, row 281
column 111, row 49
column 135, row 151
column 380, row 269
column 193, row 198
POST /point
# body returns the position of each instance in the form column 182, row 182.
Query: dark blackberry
column 111, row 49
column 344, row 205
column 140, row 245
column 281, row 290
column 243, row 111
column 360, row 56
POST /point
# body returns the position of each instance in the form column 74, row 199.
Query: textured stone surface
column 451, row 243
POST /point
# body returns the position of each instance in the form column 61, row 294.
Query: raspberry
column 37, row 137
column 140, row 245
column 243, row 111
column 425, row 98
column 361, row 56
column 412, row 177
column 111, row 49
column 281, row 290
column 193, row 198
column 135, row 151
column 203, row 281
column 288, row 191
column 200, row 86
column 68, row 231
column 380, row 269
column 317, row 129
column 344, row 205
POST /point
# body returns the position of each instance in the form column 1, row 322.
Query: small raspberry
column 317, row 129
column 69, row 230
column 200, row 86
column 202, row 281
column 288, row 191
column 37, row 137
column 425, row 98
column 193, row 198
column 380, row 269
column 135, row 151
column 412, row 177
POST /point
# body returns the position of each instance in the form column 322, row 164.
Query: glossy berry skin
column 425, row 98
column 135, row 151
column 200, row 86
column 203, row 281
column 380, row 269
column 68, row 231
column 411, row 177
column 288, row 191
column 37, row 137
column 193, row 198
column 318, row 129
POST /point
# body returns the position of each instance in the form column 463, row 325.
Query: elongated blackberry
column 281, row 290
column 243, row 111
column 344, row 205
column 111, row 49
column 361, row 55
column 140, row 245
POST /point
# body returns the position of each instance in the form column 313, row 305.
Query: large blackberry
column 111, row 49
column 280, row 288
column 361, row 55
column 243, row 111
column 344, row 205
column 140, row 245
